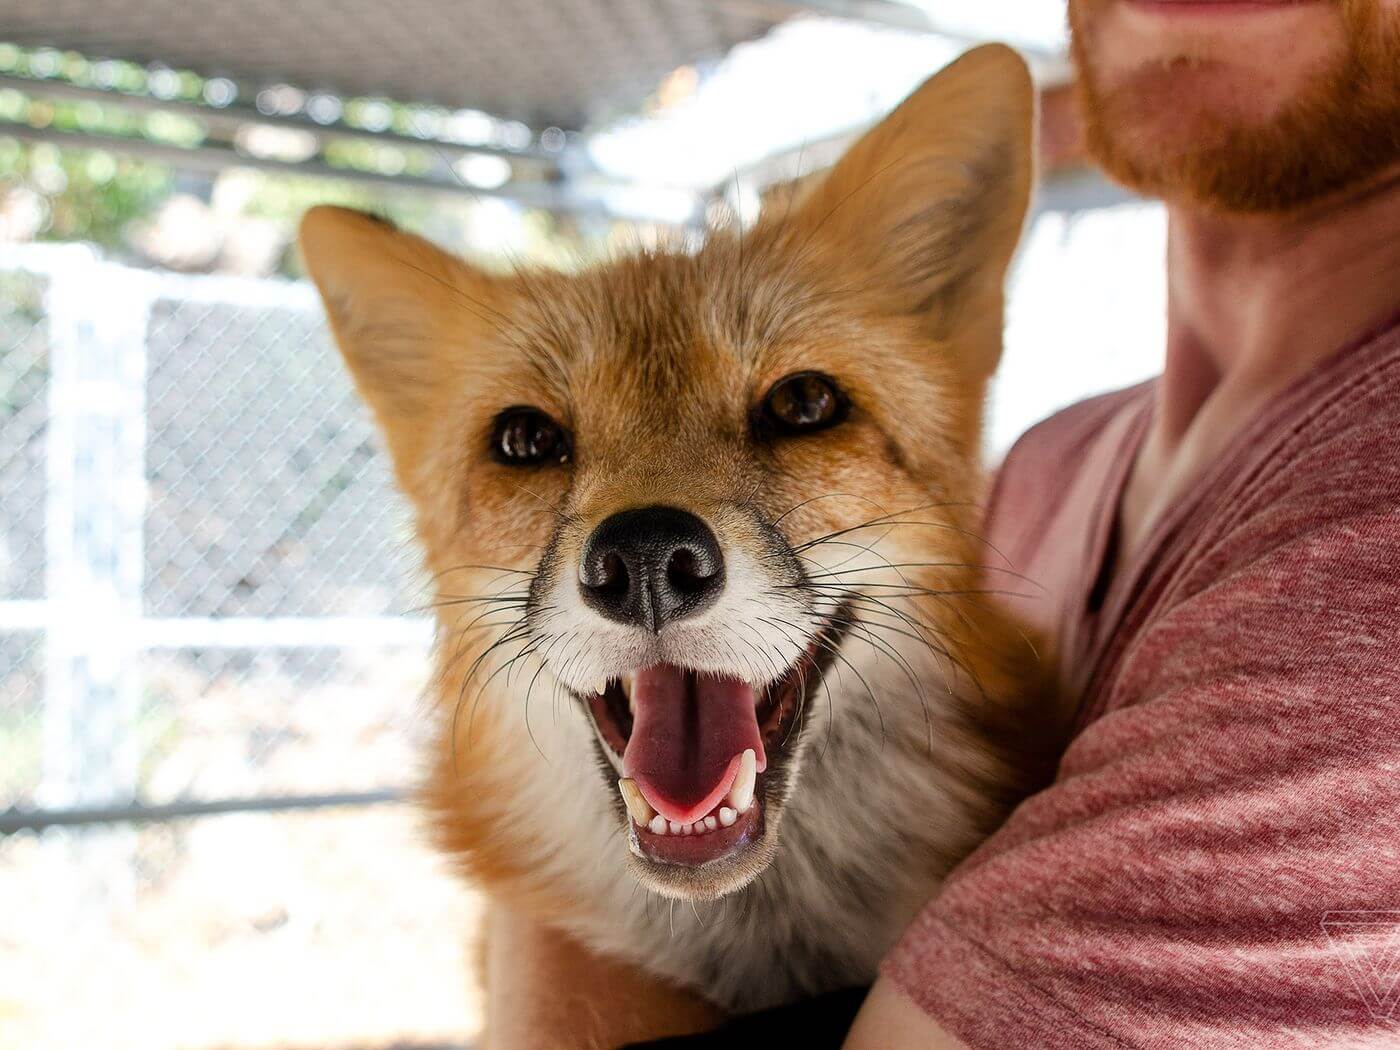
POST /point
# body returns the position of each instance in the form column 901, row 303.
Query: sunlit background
column 212, row 640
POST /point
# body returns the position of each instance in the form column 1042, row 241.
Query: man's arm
column 890, row 1020
column 1218, row 863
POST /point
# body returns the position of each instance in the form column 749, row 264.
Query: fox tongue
column 688, row 734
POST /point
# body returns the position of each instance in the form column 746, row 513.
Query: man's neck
column 1254, row 302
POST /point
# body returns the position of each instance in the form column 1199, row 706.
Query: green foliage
column 89, row 195
column 81, row 193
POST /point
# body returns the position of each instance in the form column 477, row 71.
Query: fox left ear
column 405, row 314
column 933, row 198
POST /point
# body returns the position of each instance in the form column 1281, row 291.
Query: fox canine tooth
column 628, row 681
column 657, row 825
column 636, row 805
column 741, row 792
column 600, row 686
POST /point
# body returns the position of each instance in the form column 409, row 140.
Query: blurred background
column 212, row 639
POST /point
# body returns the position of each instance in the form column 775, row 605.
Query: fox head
column 701, row 523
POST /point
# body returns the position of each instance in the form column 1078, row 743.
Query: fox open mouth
column 697, row 749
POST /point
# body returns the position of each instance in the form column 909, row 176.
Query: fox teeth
column 741, row 792
column 739, row 800
column 600, row 686
column 637, row 806
column 629, row 680
column 724, row 817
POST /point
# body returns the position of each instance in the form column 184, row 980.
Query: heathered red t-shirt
column 1218, row 861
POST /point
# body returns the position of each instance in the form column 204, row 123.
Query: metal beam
column 1049, row 65
column 1074, row 190
column 94, row 520
column 212, row 158
column 552, row 190
column 215, row 158
column 13, row 821
column 286, row 632
column 238, row 113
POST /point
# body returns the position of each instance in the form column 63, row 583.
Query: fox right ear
column 933, row 197
column 401, row 310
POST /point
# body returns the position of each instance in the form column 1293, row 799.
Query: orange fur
column 885, row 273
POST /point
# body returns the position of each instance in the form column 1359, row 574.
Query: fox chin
column 703, row 534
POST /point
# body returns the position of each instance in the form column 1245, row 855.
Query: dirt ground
column 330, row 929
column 327, row 929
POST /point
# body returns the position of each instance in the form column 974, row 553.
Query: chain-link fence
column 208, row 606
column 24, row 367
column 200, row 541
column 207, row 603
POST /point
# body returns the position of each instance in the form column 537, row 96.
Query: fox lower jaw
column 862, row 825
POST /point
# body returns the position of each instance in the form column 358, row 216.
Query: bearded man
column 1217, row 863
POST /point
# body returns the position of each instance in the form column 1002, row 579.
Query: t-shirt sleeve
column 1218, row 861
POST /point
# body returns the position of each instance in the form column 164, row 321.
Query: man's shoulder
column 1325, row 452
column 1070, row 430
column 1042, row 463
column 1050, row 486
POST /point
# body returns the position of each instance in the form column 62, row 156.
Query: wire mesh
column 21, row 731
column 266, row 502
column 335, row 929
column 544, row 63
column 267, row 493
column 268, row 506
column 239, row 723
column 266, row 497
column 23, row 412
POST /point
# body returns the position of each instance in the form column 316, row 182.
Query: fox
column 723, row 688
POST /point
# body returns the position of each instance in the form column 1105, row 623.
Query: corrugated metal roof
column 544, row 62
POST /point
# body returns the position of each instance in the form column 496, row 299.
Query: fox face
column 702, row 528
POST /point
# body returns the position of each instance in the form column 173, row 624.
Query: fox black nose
column 650, row 566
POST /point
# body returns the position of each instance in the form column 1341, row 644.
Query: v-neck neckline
column 1112, row 590
column 1100, row 580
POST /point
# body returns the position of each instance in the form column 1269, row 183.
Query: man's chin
column 1223, row 134
column 1171, row 145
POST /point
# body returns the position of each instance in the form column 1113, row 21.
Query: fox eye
column 804, row 401
column 526, row 437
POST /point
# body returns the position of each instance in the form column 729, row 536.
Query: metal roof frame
column 542, row 178
column 553, row 173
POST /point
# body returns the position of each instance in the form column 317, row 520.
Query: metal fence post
column 98, row 316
